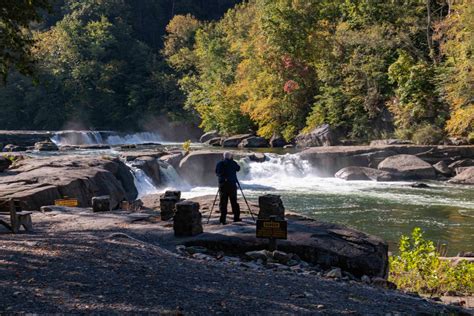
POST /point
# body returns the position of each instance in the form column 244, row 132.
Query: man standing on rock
column 226, row 171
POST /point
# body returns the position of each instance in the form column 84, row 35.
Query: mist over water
column 385, row 209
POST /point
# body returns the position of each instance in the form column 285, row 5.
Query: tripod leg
column 245, row 199
column 213, row 204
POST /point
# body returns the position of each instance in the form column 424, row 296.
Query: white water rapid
column 65, row 138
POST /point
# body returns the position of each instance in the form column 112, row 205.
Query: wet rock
column 384, row 142
column 364, row 173
column 442, row 168
column 235, row 140
column 322, row 135
column 258, row 157
column 465, row 177
column 408, row 167
column 101, row 203
column 277, row 141
column 187, row 219
column 46, row 146
column 289, row 146
column 14, row 148
column 270, row 205
column 4, row 163
column 253, row 142
column 419, row 185
column 334, row 273
column 259, row 254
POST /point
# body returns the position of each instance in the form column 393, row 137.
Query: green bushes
column 418, row 268
column 428, row 135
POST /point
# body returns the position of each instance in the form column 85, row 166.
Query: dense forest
column 369, row 68
column 97, row 63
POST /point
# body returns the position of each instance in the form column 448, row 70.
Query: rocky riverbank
column 118, row 262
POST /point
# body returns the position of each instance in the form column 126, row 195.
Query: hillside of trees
column 370, row 69
column 97, row 63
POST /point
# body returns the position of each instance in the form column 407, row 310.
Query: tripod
column 243, row 195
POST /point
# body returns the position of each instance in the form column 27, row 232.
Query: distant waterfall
column 65, row 138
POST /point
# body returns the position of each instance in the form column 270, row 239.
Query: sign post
column 272, row 229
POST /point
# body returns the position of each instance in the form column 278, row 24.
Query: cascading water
column 171, row 179
column 143, row 183
column 65, row 138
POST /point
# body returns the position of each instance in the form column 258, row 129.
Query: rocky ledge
column 39, row 181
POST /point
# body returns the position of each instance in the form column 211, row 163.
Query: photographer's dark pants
column 228, row 191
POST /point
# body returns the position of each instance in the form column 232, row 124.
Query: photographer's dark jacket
column 226, row 171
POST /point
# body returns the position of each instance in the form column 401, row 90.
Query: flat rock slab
column 326, row 244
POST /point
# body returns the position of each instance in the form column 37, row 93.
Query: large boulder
column 46, row 146
column 322, row 135
column 460, row 165
column 465, row 177
column 216, row 141
column 208, row 136
column 4, row 163
column 277, row 141
column 364, row 173
column 39, row 181
column 198, row 168
column 408, row 167
column 24, row 138
column 234, row 140
column 443, row 169
column 254, row 142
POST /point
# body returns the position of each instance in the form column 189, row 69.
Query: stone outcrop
column 270, row 205
column 187, row 220
column 208, row 136
column 364, row 173
column 37, row 182
column 408, row 167
column 322, row 135
column 460, row 165
column 465, row 177
column 46, row 146
column 235, row 140
column 328, row 160
column 277, row 141
column 254, row 142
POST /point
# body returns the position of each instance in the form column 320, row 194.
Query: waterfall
column 170, row 177
column 143, row 183
column 65, row 138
